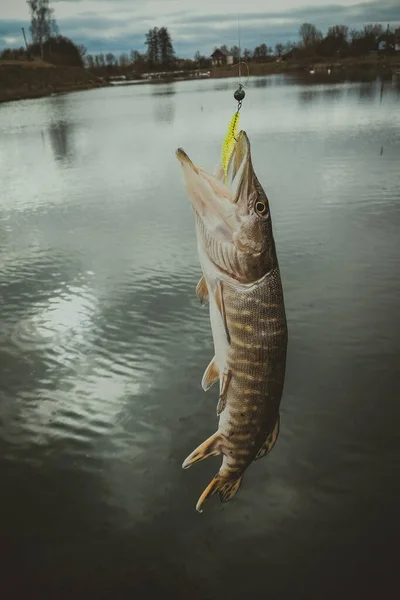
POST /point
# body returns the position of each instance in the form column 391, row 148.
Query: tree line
column 339, row 41
column 160, row 54
column 342, row 41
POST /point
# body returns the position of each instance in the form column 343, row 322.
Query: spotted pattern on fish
column 256, row 362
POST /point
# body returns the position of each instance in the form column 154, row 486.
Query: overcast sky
column 120, row 25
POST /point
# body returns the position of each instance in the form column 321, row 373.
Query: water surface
column 103, row 345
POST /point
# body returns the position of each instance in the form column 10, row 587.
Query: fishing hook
column 243, row 62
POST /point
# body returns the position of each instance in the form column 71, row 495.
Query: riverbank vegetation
column 51, row 62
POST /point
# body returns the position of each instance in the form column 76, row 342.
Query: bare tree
column 279, row 48
column 43, row 24
column 82, row 50
column 310, row 35
column 338, row 32
column 235, row 52
column 260, row 52
column 89, row 61
column 110, row 59
column 123, row 60
column 247, row 54
column 137, row 58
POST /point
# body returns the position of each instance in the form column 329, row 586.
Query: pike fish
column 241, row 282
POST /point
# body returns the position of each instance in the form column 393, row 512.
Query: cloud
column 120, row 25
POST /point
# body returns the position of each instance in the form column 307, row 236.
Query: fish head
column 253, row 233
column 232, row 214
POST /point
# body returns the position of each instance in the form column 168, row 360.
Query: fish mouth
column 227, row 184
column 215, row 197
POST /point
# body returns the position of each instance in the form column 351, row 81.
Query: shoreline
column 23, row 80
column 20, row 80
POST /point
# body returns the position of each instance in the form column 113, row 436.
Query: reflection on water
column 60, row 137
column 103, row 344
column 163, row 89
column 335, row 91
column 261, row 82
column 164, row 103
column 60, row 129
column 221, row 85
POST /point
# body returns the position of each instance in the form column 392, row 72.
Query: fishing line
column 240, row 53
column 229, row 142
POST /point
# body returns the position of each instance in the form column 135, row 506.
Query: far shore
column 34, row 79
column 22, row 80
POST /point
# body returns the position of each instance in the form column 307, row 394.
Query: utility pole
column 26, row 43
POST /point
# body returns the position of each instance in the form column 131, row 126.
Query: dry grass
column 370, row 61
column 18, row 82
column 26, row 64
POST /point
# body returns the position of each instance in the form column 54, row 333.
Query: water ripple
column 103, row 342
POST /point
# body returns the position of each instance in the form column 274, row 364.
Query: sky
column 121, row 25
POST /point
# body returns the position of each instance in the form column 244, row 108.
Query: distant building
column 221, row 58
column 397, row 40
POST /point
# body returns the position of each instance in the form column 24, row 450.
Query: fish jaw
column 239, row 172
column 210, row 199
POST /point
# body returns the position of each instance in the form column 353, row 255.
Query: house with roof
column 221, row 58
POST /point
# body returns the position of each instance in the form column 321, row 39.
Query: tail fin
column 227, row 488
column 211, row 447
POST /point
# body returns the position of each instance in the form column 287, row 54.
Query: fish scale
column 255, row 360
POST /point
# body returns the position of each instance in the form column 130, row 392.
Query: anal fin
column 202, row 291
column 211, row 447
column 211, row 375
column 270, row 441
column 219, row 299
column 225, row 380
column 226, row 487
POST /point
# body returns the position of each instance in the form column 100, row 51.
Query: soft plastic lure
column 229, row 143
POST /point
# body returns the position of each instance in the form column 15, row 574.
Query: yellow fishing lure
column 229, row 143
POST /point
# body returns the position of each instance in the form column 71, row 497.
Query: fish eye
column 261, row 207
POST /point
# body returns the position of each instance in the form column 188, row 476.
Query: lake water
column 103, row 345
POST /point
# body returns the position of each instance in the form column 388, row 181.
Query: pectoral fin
column 211, row 375
column 202, row 291
column 226, row 377
column 270, row 441
column 219, row 299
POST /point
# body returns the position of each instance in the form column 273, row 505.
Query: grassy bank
column 371, row 62
column 34, row 79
